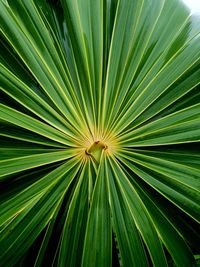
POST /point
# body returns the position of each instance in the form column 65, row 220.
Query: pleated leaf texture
column 99, row 133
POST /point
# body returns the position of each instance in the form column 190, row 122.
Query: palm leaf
column 99, row 133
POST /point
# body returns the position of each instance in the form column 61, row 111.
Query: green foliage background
column 122, row 72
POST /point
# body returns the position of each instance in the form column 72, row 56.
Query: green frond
column 99, row 133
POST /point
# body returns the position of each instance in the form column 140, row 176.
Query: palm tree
column 100, row 124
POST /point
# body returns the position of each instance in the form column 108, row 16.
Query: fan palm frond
column 99, row 133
